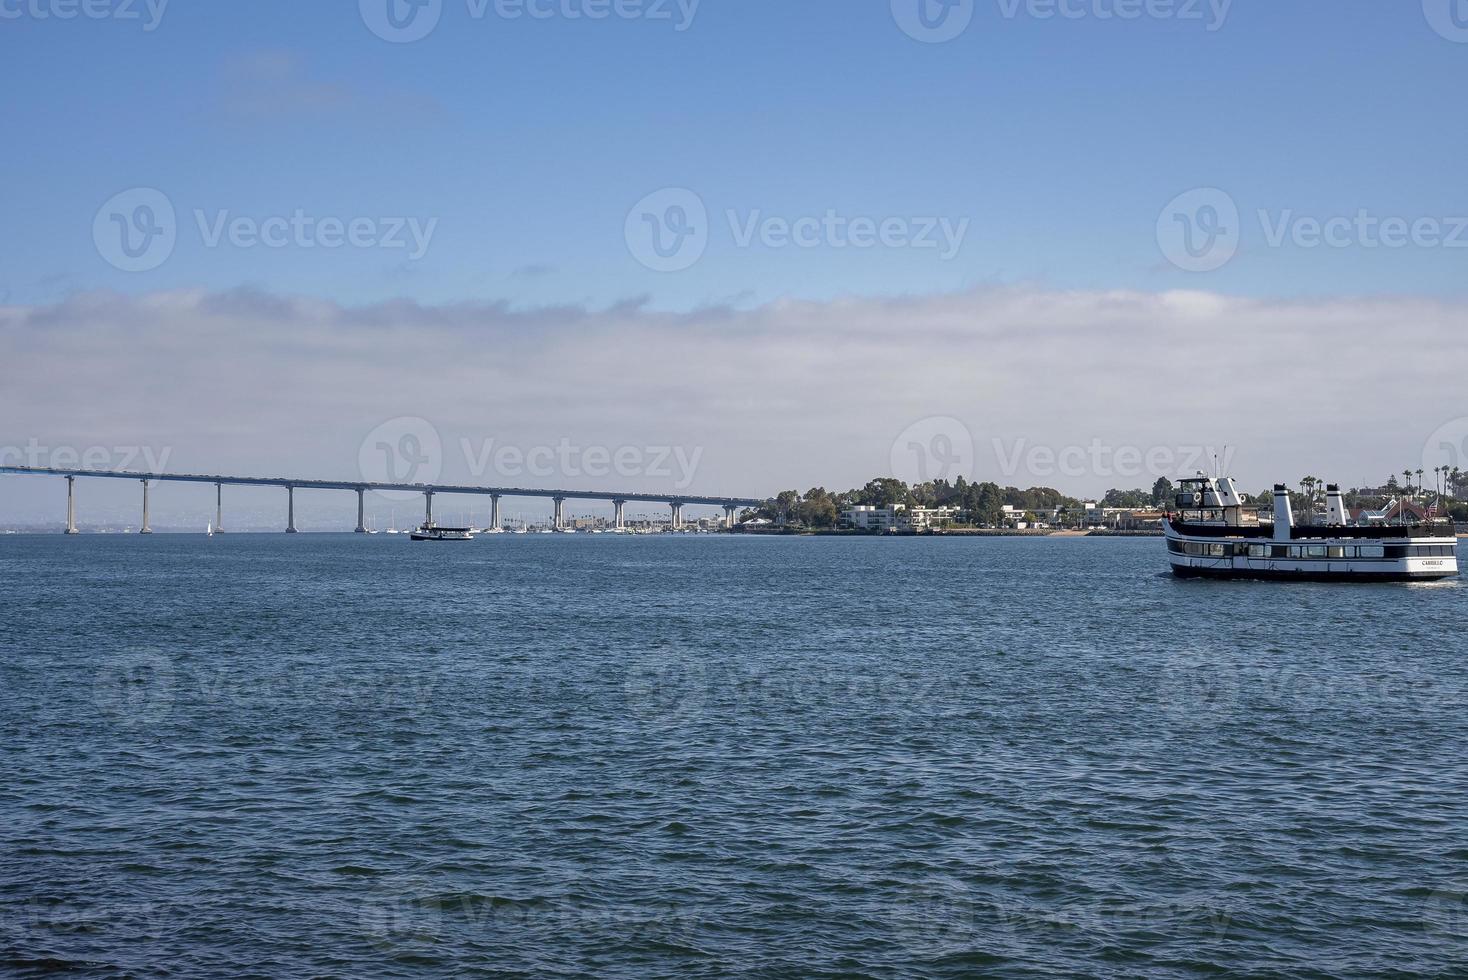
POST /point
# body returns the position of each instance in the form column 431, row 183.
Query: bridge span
column 618, row 501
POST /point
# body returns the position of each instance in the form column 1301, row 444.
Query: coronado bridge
column 675, row 502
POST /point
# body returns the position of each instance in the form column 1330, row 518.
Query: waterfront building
column 866, row 517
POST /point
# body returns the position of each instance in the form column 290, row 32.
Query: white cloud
column 791, row 394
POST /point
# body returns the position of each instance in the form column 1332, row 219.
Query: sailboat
column 392, row 523
column 209, row 530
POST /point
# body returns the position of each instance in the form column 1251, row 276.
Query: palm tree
column 1407, row 480
column 1419, row 478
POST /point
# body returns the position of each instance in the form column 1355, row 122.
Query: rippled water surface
column 345, row 756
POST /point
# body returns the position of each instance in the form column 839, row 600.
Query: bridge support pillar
column 494, row 511
column 147, row 525
column 428, row 507
column 677, row 514
column 219, row 508
column 71, row 505
column 730, row 511
column 361, row 511
column 290, row 503
column 619, row 518
column 560, row 513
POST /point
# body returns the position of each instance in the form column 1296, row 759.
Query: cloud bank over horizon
column 1079, row 390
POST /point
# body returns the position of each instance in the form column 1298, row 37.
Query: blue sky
column 1059, row 141
column 783, row 239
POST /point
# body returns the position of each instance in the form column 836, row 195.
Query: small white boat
column 209, row 530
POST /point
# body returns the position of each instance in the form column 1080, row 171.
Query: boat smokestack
column 1335, row 507
column 1284, row 516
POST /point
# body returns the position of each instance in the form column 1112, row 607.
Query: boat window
column 1335, row 551
column 1371, row 551
column 1258, row 551
column 1315, row 551
column 1281, row 551
column 1216, row 551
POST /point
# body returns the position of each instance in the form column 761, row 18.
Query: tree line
column 983, row 502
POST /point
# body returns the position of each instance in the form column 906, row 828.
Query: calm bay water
column 336, row 756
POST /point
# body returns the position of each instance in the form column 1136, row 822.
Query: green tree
column 817, row 509
column 883, row 492
column 785, row 503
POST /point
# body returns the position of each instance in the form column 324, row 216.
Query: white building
column 865, row 517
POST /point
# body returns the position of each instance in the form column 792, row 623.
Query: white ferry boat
column 1214, row 534
column 432, row 532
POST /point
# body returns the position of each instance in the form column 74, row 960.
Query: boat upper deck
column 1317, row 532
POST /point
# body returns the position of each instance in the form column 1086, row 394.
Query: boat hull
column 1313, row 554
column 1306, row 575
